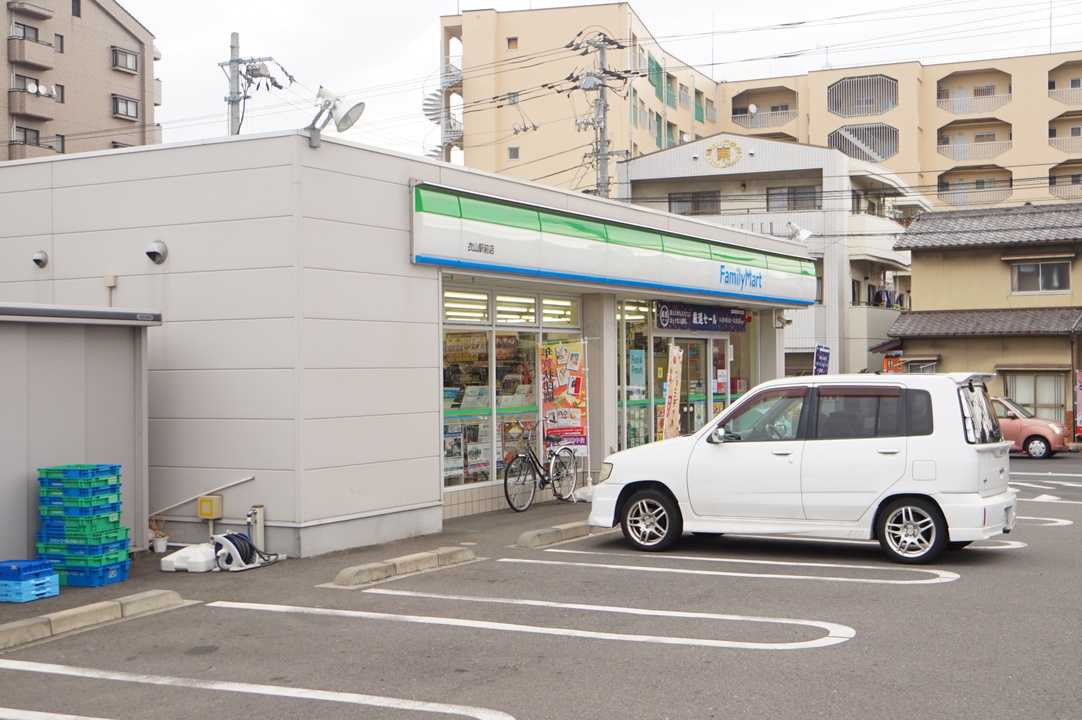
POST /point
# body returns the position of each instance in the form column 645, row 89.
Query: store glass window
column 635, row 408
column 493, row 388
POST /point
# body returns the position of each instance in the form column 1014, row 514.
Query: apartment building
column 82, row 78
column 512, row 96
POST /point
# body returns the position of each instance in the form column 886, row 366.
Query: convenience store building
column 371, row 334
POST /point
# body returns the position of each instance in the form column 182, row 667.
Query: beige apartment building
column 82, row 78
column 517, row 96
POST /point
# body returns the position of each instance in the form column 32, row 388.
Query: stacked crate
column 80, row 524
column 26, row 580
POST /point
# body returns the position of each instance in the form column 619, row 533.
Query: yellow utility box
column 210, row 507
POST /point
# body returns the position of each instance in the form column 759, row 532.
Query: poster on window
column 672, row 393
column 453, row 454
column 563, row 392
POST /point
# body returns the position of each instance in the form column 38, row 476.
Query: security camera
column 695, row 156
column 40, row 259
column 751, row 153
column 157, row 252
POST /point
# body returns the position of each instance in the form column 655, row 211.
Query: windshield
column 980, row 420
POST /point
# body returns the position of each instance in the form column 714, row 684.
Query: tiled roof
column 1022, row 224
column 1022, row 321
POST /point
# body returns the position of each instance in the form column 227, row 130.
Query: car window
column 918, row 412
column 1000, row 409
column 770, row 415
column 980, row 421
column 858, row 412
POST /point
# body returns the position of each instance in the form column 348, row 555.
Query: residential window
column 685, row 96
column 1076, row 83
column 803, row 197
column 984, row 137
column 711, row 110
column 26, row 136
column 703, row 202
column 644, row 116
column 512, row 153
column 670, row 91
column 125, row 60
column 783, row 107
column 1076, row 131
column 1042, row 394
column 58, row 145
column 125, row 107
column 743, row 110
column 1051, row 132
column 984, row 91
column 700, row 114
column 670, row 134
column 76, row 8
column 634, row 108
column 1041, row 277
column 58, row 93
column 23, row 82
column 26, row 32
column 943, row 140
column 942, row 93
column 512, row 43
column 1051, row 84
column 58, row 43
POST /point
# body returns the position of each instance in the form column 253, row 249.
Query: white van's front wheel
column 651, row 521
column 912, row 530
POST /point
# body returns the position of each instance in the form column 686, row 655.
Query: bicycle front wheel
column 519, row 483
column 563, row 473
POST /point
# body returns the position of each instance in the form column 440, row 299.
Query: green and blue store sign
column 454, row 229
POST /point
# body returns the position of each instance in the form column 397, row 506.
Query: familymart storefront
column 588, row 328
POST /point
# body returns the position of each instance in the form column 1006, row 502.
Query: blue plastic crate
column 19, row 570
column 78, row 483
column 78, row 471
column 93, row 576
column 77, row 502
column 47, row 489
column 27, row 590
column 67, row 511
column 53, row 526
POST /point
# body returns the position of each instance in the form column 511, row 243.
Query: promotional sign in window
column 563, row 392
column 710, row 318
column 671, row 427
column 822, row 360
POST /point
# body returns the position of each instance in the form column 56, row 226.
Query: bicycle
column 525, row 474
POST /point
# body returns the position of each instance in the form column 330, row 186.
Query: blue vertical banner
column 822, row 360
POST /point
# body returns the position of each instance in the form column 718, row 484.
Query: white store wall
column 301, row 345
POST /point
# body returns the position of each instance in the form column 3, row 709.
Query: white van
column 916, row 461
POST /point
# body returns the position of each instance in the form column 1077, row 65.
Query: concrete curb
column 371, row 572
column 554, row 534
column 50, row 624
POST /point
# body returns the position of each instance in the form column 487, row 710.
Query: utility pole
column 597, row 81
column 235, row 96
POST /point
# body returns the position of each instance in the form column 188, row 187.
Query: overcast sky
column 385, row 53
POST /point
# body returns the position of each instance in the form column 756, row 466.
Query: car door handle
column 889, row 451
column 781, row 452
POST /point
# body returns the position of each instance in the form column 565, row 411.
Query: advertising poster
column 822, row 360
column 453, row 455
column 563, row 392
column 672, row 393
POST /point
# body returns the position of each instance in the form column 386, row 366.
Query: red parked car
column 1035, row 436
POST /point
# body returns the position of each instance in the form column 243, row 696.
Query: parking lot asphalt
column 148, row 588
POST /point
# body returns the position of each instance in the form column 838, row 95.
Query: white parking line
column 16, row 714
column 1049, row 522
column 1050, row 499
column 835, row 633
column 253, row 689
column 938, row 576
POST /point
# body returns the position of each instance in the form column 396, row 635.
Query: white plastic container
column 194, row 558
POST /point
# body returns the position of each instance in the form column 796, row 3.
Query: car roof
column 907, row 379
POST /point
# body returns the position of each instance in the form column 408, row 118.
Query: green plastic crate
column 89, row 524
column 58, row 533
column 78, row 471
column 59, row 482
column 79, row 502
column 70, row 561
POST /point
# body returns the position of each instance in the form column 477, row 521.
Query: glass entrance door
column 694, row 383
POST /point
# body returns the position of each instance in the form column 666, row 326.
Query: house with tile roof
column 994, row 290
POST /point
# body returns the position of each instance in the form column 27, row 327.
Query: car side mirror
column 717, row 435
column 1011, row 415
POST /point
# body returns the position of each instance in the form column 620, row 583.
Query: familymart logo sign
column 741, row 278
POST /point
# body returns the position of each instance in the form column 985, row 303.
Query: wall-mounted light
column 41, row 258
column 157, row 252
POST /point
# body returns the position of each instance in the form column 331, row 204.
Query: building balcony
column 974, row 196
column 25, row 8
column 31, row 53
column 1067, row 144
column 764, row 119
column 1067, row 192
column 31, row 105
column 1068, row 96
column 23, row 151
column 968, row 151
column 964, row 105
